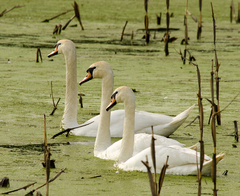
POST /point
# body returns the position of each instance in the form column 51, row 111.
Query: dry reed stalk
column 238, row 13
column 232, row 12
column 146, row 22
column 38, row 55
column 15, row 190
column 47, row 20
column 45, row 138
column 199, row 32
column 123, row 30
column 159, row 18
column 69, row 129
column 77, row 14
column 236, row 130
column 153, row 155
column 65, row 26
column 201, row 119
column 54, row 178
column 167, row 36
column 6, row 11
column 132, row 35
column 217, row 65
column 186, row 33
column 193, row 17
column 47, row 171
column 213, row 130
column 57, row 29
column 154, row 186
column 81, row 99
column 54, row 105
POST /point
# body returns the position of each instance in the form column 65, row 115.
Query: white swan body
column 182, row 161
column 163, row 125
column 141, row 142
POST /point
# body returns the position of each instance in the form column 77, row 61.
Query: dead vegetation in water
column 155, row 185
column 6, row 11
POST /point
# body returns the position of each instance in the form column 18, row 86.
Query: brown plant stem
column 47, row 20
column 123, row 30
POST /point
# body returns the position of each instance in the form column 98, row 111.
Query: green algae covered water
column 163, row 83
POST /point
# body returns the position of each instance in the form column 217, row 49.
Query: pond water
column 165, row 86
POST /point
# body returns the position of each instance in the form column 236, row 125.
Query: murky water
column 165, row 85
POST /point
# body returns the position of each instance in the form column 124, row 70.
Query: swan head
column 121, row 95
column 99, row 69
column 64, row 47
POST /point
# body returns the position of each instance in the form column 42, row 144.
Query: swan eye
column 114, row 95
column 91, row 69
column 58, row 44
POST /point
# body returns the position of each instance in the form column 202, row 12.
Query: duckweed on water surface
column 164, row 85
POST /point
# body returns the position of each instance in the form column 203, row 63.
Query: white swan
column 164, row 125
column 182, row 161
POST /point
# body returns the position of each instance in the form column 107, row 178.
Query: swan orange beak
column 89, row 75
column 113, row 103
column 87, row 78
column 55, row 52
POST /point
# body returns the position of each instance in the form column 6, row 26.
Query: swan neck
column 70, row 112
column 103, row 138
column 127, row 145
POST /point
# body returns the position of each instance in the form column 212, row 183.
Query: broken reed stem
column 69, row 129
column 52, row 95
column 166, row 40
column 6, row 11
column 65, row 26
column 146, row 22
column 45, row 139
column 38, row 55
column 193, row 17
column 57, row 29
column 155, row 188
column 159, row 18
column 162, row 175
column 77, row 14
column 47, row 20
column 152, row 186
column 15, row 190
column 213, row 130
column 47, row 170
column 154, row 159
column 54, row 178
column 186, row 33
column 123, row 30
column 217, row 68
column 236, row 130
column 232, row 12
column 199, row 32
column 54, row 105
column 201, row 117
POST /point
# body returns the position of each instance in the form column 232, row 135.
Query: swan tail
column 183, row 115
column 179, row 119
column 207, row 166
column 220, row 157
column 195, row 146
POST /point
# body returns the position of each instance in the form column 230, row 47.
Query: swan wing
column 162, row 124
column 182, row 161
column 143, row 141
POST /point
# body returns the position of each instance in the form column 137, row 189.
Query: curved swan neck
column 70, row 112
column 127, row 145
column 103, row 138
